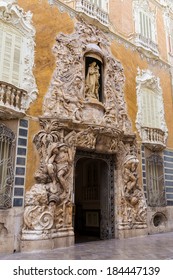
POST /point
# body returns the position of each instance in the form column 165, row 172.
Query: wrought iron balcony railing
column 92, row 10
column 12, row 100
column 153, row 138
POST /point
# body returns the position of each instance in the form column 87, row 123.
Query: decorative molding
column 73, row 120
column 132, row 209
column 66, row 97
column 158, row 62
column 12, row 100
column 146, row 80
column 92, row 10
column 12, row 14
column 146, row 44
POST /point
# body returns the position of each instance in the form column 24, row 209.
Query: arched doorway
column 93, row 197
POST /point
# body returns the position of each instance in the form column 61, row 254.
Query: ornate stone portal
column 74, row 117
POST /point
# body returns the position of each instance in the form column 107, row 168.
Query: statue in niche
column 92, row 81
column 58, row 163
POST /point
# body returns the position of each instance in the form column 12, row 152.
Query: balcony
column 92, row 10
column 147, row 44
column 153, row 138
column 12, row 100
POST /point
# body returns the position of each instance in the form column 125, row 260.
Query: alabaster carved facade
column 133, row 207
column 84, row 110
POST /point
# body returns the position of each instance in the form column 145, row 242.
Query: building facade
column 86, row 133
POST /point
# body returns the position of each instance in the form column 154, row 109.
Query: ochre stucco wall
column 121, row 16
column 130, row 61
column 122, row 21
column 161, row 36
column 48, row 22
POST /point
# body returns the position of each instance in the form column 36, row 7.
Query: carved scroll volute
column 48, row 204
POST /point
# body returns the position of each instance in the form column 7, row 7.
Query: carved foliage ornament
column 70, row 89
column 12, row 14
column 48, row 203
column 132, row 201
column 132, row 209
column 65, row 108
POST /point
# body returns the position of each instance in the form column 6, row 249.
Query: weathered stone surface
column 75, row 117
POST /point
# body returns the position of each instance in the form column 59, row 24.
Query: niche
column 93, row 77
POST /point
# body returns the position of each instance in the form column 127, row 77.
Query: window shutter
column 7, row 57
column 141, row 22
column 146, row 26
column 150, row 109
column 16, row 60
column 10, row 55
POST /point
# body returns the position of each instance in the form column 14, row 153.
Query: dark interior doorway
column 92, row 208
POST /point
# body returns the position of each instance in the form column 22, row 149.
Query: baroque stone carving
column 133, row 209
column 12, row 14
column 69, row 91
column 86, row 139
column 72, row 120
column 92, row 81
column 48, row 203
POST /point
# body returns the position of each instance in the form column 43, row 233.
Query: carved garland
column 72, row 119
column 67, row 98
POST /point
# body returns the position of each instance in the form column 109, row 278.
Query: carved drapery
column 72, row 120
column 68, row 93
column 48, row 204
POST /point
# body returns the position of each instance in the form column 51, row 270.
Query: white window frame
column 8, row 77
column 14, row 19
column 145, row 80
column 145, row 26
column 168, row 19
